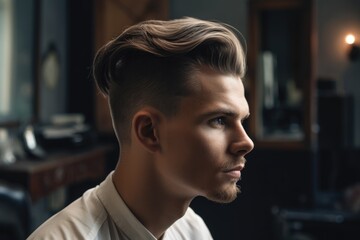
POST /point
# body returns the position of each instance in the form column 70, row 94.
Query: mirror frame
column 309, row 109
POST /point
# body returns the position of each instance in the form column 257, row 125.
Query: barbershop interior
column 302, row 83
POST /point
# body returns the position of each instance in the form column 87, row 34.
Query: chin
column 225, row 195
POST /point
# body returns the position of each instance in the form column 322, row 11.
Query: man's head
column 152, row 64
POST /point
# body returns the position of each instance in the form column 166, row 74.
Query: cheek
column 195, row 152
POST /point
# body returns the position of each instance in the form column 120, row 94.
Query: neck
column 153, row 203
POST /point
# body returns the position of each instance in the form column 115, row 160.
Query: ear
column 145, row 126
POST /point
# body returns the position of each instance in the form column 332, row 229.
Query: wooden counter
column 41, row 177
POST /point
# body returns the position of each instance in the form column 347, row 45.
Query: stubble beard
column 226, row 195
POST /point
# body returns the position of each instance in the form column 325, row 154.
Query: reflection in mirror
column 17, row 63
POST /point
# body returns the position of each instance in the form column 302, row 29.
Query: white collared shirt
column 102, row 214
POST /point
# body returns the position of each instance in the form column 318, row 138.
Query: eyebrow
column 223, row 111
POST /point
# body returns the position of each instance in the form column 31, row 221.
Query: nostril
column 242, row 152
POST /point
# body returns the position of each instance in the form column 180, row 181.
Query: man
column 177, row 104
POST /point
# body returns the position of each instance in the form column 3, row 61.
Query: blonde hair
column 150, row 64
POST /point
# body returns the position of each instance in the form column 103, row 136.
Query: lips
column 234, row 172
column 236, row 168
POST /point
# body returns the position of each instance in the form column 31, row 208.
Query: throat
column 157, row 215
column 151, row 201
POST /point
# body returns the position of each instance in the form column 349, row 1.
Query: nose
column 241, row 143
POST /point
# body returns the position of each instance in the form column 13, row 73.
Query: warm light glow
column 350, row 39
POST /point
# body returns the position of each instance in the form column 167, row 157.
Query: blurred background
column 302, row 181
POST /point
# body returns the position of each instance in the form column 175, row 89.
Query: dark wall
column 335, row 19
column 67, row 27
column 80, row 55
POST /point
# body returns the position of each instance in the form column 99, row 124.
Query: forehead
column 211, row 90
column 206, row 80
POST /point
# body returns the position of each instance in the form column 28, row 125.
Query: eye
column 218, row 122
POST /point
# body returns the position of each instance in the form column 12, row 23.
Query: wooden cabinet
column 280, row 81
column 111, row 18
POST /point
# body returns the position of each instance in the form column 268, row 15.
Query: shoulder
column 190, row 226
column 81, row 219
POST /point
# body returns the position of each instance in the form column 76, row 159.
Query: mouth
column 234, row 173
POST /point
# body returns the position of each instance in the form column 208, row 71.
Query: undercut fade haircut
column 152, row 63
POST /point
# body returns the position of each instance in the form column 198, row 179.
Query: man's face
column 204, row 144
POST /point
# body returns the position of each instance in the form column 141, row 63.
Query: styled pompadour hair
column 151, row 63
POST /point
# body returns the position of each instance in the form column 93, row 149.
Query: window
column 17, row 61
column 5, row 56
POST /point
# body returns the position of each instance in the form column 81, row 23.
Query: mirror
column 279, row 87
column 281, row 73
